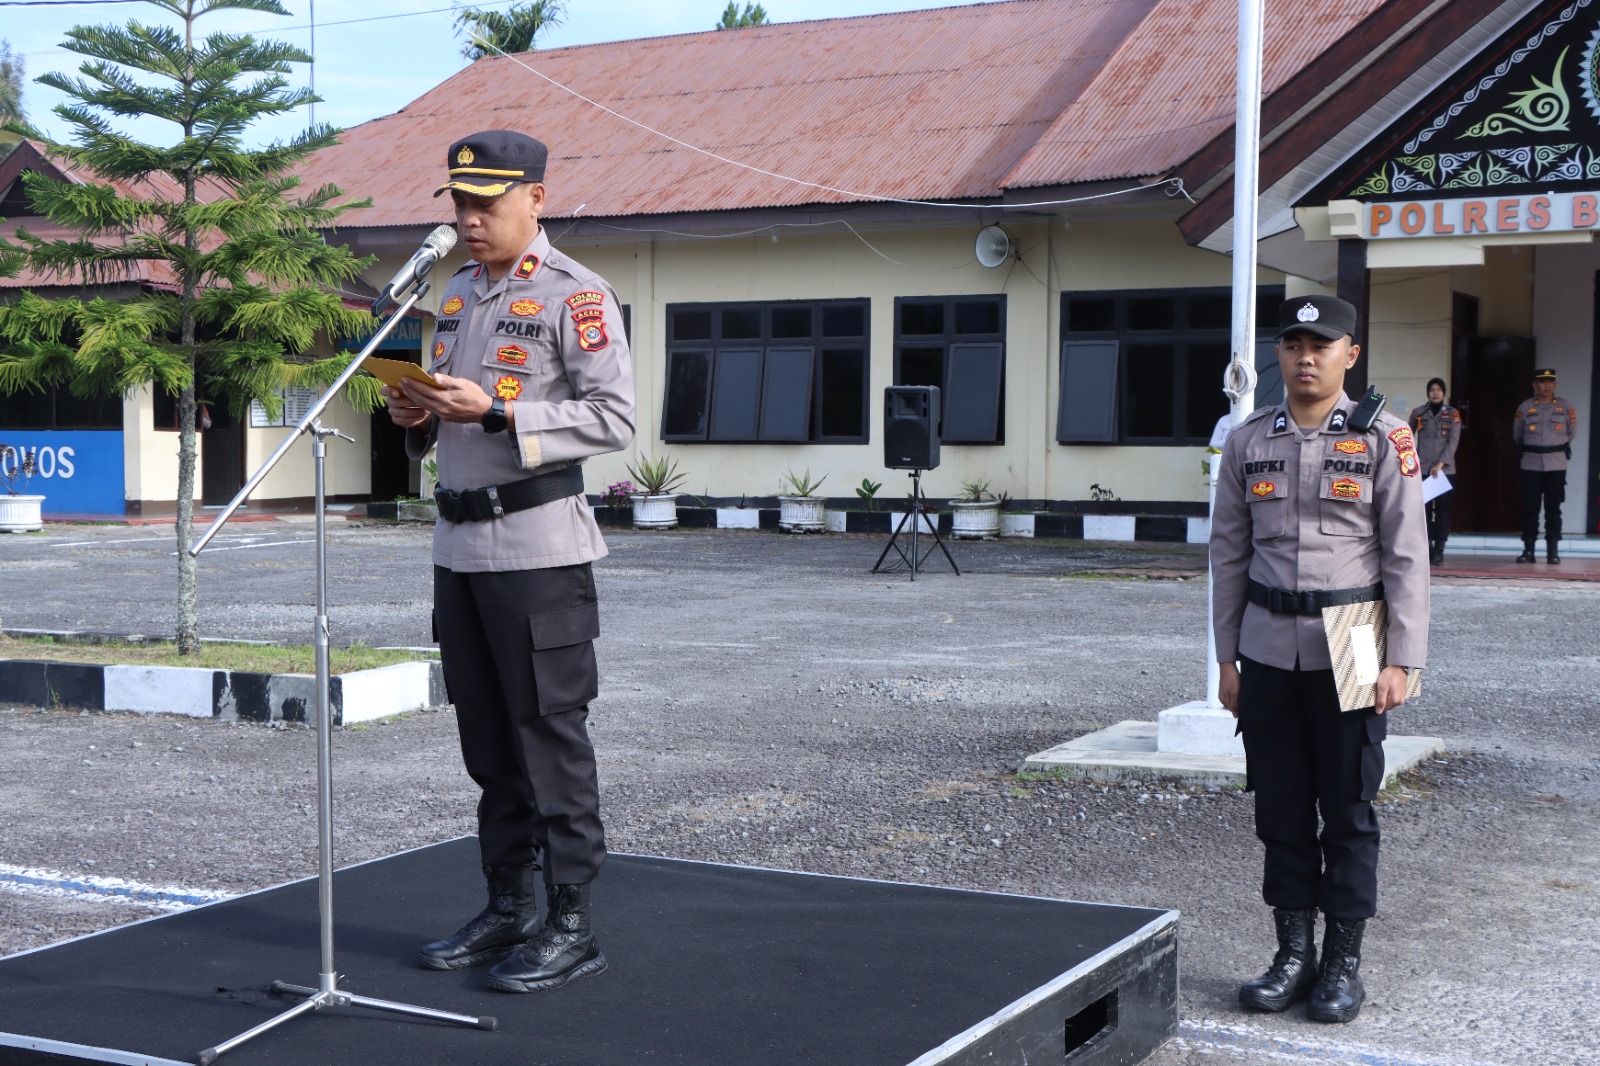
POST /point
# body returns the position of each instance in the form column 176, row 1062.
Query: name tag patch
column 1264, row 466
column 449, row 325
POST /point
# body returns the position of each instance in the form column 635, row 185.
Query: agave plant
column 657, row 476
column 801, row 484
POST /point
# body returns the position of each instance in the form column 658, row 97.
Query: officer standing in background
column 1544, row 428
column 1315, row 511
column 1437, row 426
column 533, row 377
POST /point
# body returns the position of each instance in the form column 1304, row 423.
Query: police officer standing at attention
column 1437, row 426
column 1544, row 428
column 533, row 377
column 1315, row 509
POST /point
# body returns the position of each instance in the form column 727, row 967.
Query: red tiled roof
column 954, row 103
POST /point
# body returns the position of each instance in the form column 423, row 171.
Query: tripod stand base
column 915, row 518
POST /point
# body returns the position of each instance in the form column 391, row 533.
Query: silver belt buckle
column 494, row 501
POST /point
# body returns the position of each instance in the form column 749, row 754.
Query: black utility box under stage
column 710, row 964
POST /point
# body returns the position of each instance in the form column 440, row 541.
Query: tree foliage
column 516, row 29
column 734, row 19
column 236, row 284
column 11, row 75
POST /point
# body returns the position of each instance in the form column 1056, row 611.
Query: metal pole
column 330, row 980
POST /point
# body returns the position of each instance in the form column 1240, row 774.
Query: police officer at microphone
column 1314, row 510
column 1544, row 428
column 533, row 377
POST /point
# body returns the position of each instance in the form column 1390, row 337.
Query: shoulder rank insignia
column 512, row 354
column 1405, row 448
column 584, row 299
column 1281, row 424
column 1347, row 489
column 508, row 388
column 591, row 329
column 529, row 264
column 526, row 308
column 1351, row 447
column 476, row 271
column 1264, row 488
column 452, row 305
column 1336, row 423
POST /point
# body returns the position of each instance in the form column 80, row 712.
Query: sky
column 375, row 66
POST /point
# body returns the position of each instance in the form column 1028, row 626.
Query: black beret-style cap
column 1544, row 375
column 489, row 163
column 1326, row 316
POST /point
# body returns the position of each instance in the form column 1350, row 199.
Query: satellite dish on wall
column 993, row 247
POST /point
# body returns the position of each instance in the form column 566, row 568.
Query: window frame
column 949, row 340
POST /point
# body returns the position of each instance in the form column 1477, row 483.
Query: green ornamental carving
column 1542, row 109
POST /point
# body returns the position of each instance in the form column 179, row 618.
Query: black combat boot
column 1339, row 992
column 1527, row 552
column 511, row 917
column 1552, row 552
column 1294, row 968
column 563, row 951
column 1436, row 553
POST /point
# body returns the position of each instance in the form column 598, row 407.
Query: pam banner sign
column 76, row 471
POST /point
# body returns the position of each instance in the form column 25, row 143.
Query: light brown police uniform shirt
column 1546, row 425
column 1437, row 435
column 548, row 339
column 1336, row 509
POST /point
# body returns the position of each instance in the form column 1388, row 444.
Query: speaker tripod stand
column 916, row 557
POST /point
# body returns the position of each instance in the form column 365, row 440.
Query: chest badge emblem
column 1351, row 447
column 1347, row 489
column 512, row 354
column 438, row 351
column 508, row 388
column 526, row 308
column 1264, row 488
column 452, row 305
column 591, row 328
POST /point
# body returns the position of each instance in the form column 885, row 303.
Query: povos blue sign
column 77, row 471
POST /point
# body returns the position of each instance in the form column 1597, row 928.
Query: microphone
column 434, row 248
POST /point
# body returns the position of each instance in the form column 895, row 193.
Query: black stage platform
column 710, row 966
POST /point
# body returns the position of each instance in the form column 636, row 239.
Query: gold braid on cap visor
column 493, row 189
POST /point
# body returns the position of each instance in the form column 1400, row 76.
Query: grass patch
column 251, row 658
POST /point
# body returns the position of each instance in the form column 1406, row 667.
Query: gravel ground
column 766, row 700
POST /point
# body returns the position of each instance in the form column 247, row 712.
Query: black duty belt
column 1543, row 449
column 495, row 501
column 1288, row 601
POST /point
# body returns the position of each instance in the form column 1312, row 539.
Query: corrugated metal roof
column 1170, row 88
column 935, row 104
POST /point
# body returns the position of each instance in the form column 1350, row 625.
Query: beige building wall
column 1409, row 336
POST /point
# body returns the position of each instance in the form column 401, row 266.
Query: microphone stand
column 327, row 994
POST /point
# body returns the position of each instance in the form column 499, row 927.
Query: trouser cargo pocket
column 1377, row 730
column 564, row 668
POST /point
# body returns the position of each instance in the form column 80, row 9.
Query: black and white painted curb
column 227, row 695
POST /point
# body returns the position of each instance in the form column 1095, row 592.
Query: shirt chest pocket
column 509, row 369
column 1268, row 496
column 1345, row 505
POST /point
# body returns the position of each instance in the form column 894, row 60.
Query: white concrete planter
column 655, row 512
column 974, row 521
column 925, row 523
column 417, row 511
column 800, row 514
column 1016, row 525
column 834, row 521
column 738, row 518
column 21, row 514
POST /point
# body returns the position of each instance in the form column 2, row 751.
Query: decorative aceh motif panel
column 1528, row 123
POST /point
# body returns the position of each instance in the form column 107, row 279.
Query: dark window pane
column 688, row 388
column 978, row 316
column 691, row 325
column 1267, row 303
column 165, row 408
column 1152, row 313
column 1088, row 402
column 1205, row 402
column 922, row 366
column 972, row 403
column 1147, row 403
column 847, row 321
column 921, row 319
column 786, row 394
column 1091, row 314
column 791, row 323
column 741, row 324
column 844, row 390
column 735, row 394
column 1211, row 311
column 93, row 412
column 27, row 410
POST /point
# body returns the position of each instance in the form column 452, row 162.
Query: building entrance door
column 222, row 458
column 1490, row 377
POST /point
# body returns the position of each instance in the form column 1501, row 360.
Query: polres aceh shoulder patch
column 1405, row 450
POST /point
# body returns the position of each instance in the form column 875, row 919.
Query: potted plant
column 19, row 512
column 613, row 502
column 800, row 508
column 975, row 514
column 655, row 504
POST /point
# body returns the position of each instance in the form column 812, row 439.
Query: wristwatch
column 494, row 419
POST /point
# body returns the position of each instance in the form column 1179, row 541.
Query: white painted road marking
column 1257, row 1043
column 33, row 881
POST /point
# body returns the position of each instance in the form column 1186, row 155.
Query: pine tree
column 734, row 19
column 254, row 283
column 10, row 94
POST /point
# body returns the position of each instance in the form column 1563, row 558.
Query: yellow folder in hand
column 1358, row 642
column 390, row 371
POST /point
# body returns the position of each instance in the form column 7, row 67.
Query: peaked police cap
column 489, row 163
